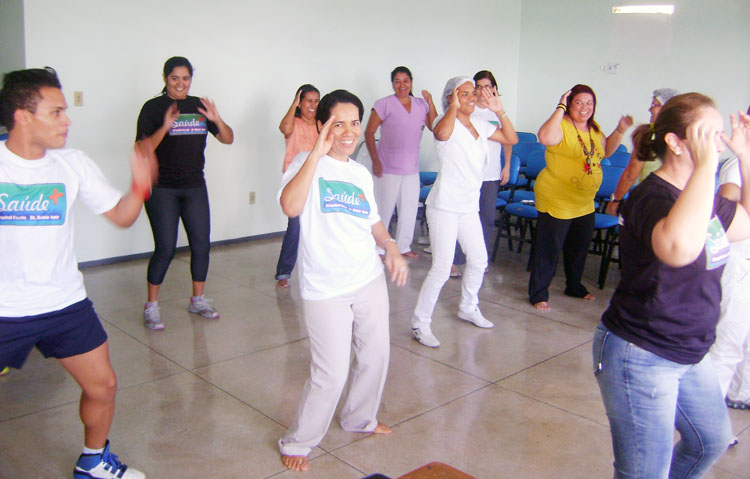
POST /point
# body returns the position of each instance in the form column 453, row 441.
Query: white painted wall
column 250, row 57
column 703, row 47
column 11, row 35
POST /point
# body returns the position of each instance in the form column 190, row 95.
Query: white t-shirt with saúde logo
column 336, row 250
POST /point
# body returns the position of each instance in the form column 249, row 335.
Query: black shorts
column 59, row 334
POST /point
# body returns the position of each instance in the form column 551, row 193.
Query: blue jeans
column 288, row 254
column 646, row 398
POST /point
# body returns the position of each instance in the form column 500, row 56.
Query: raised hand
column 626, row 121
column 144, row 167
column 171, row 115
column 564, row 98
column 492, row 98
column 325, row 138
column 427, row 96
column 701, row 142
column 739, row 142
column 209, row 110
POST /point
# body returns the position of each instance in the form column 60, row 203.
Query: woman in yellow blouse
column 565, row 191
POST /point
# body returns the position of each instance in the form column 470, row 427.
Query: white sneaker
column 476, row 318
column 427, row 250
column 202, row 305
column 424, row 335
column 152, row 318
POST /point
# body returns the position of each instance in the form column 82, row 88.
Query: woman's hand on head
column 739, row 142
column 564, row 98
column 325, row 138
column 454, row 98
column 701, row 142
column 297, row 99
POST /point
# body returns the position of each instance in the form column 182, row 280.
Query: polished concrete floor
column 210, row 398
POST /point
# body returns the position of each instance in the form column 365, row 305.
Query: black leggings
column 164, row 209
column 573, row 236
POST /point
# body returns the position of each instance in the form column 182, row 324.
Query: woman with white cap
column 453, row 203
column 638, row 169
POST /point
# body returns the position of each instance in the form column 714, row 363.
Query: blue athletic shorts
column 58, row 334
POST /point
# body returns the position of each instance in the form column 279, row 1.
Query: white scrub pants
column 400, row 191
column 357, row 320
column 445, row 228
column 731, row 351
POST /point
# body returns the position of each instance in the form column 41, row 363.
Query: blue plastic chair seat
column 518, row 196
column 499, row 203
column 522, row 210
column 604, row 221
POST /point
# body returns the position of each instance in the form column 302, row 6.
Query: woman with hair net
column 453, row 202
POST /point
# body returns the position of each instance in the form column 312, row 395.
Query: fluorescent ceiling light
column 659, row 9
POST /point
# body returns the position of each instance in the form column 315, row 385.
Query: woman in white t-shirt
column 453, row 202
column 342, row 283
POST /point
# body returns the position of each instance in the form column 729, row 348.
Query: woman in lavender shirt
column 395, row 159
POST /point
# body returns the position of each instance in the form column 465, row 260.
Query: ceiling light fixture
column 655, row 9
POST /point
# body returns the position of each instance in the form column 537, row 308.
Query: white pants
column 357, row 320
column 402, row 191
column 731, row 351
column 445, row 228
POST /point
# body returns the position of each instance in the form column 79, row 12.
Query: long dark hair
column 173, row 63
column 674, row 117
column 577, row 90
column 303, row 90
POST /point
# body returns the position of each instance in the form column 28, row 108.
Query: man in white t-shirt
column 43, row 301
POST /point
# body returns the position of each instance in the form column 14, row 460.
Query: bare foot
column 542, row 305
column 589, row 297
column 411, row 254
column 282, row 283
column 296, row 463
column 382, row 429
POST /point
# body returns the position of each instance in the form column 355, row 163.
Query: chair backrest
column 610, row 178
column 622, row 147
column 515, row 168
column 427, row 177
column 524, row 137
column 619, row 159
column 535, row 163
column 522, row 149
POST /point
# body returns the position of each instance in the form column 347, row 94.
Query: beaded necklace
column 589, row 154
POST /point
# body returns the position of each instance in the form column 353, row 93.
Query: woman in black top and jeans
column 179, row 124
column 650, row 349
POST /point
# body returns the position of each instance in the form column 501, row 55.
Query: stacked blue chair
column 606, row 226
column 524, row 210
column 524, row 137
